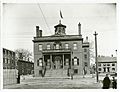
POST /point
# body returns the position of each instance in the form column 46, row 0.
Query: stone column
column 43, row 62
column 63, row 61
column 51, row 66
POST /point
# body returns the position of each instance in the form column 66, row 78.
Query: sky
column 20, row 20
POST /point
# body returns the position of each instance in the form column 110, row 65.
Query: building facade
column 107, row 64
column 25, row 67
column 8, row 59
column 9, row 67
column 60, row 51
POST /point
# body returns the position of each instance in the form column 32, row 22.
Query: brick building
column 107, row 64
column 60, row 52
column 8, row 59
column 25, row 67
column 9, row 67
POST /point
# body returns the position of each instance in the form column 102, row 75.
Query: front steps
column 56, row 73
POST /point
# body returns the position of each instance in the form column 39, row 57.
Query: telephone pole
column 96, row 55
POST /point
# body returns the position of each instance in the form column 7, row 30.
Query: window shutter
column 72, row 61
column 77, row 61
column 37, row 62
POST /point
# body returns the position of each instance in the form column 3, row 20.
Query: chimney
column 86, row 38
column 37, row 31
column 112, row 55
column 79, row 28
column 40, row 33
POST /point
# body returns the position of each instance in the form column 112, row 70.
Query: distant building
column 8, row 59
column 9, row 67
column 25, row 67
column 107, row 64
column 60, row 52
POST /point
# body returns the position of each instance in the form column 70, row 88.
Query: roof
column 60, row 25
column 58, row 38
column 107, row 59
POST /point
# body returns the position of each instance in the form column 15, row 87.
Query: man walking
column 106, row 82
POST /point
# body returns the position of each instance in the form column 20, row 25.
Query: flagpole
column 61, row 16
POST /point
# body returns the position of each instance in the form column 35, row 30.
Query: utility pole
column 96, row 55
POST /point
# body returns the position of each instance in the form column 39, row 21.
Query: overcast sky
column 20, row 21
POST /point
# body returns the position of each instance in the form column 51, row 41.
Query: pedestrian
column 72, row 73
column 114, row 83
column 106, row 82
column 18, row 78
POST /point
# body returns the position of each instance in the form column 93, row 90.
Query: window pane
column 66, row 46
column 86, row 64
column 99, row 69
column 57, row 46
column 85, row 50
column 48, row 46
column 75, row 61
column 74, row 46
column 67, row 62
column 113, row 69
column 40, row 47
column 85, row 56
column 99, row 64
column 113, row 64
column 40, row 62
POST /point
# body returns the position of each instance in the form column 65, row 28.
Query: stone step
column 56, row 73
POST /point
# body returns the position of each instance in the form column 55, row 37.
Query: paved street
column 56, row 83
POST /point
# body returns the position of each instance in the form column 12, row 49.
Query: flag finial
column 59, row 21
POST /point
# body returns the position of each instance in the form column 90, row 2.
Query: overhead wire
column 43, row 16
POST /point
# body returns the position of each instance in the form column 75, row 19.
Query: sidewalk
column 57, row 83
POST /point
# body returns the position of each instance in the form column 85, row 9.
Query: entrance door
column 58, row 62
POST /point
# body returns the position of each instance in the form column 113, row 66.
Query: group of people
column 107, row 82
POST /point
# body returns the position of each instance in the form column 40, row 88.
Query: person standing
column 18, row 78
column 72, row 73
column 114, row 83
column 106, row 82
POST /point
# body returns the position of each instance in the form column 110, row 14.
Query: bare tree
column 23, row 53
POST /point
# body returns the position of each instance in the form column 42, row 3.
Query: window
column 76, row 61
column 40, row 47
column 66, row 61
column 57, row 46
column 108, row 69
column 75, row 71
column 85, row 50
column 74, row 46
column 48, row 47
column 66, row 46
column 3, row 60
column 99, row 64
column 85, row 63
column 48, row 62
column 113, row 69
column 39, row 62
column 108, row 64
column 104, row 69
column 113, row 64
column 99, row 69
column 85, row 56
column 104, row 64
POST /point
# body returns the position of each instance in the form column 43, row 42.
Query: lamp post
column 96, row 56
